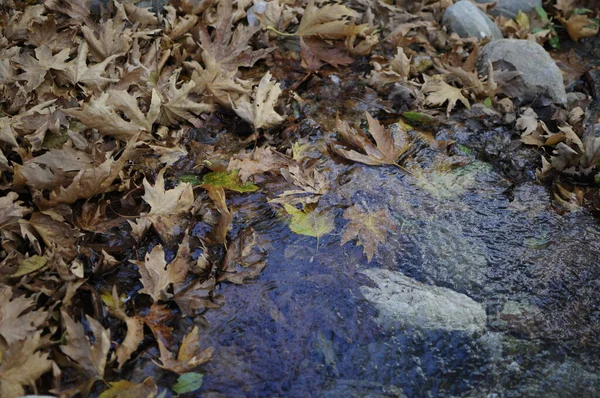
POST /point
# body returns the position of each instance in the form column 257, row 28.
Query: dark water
column 305, row 327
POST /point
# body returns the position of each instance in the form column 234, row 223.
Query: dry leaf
column 78, row 71
column 176, row 104
column 11, row 210
column 389, row 144
column 439, row 92
column 16, row 321
column 261, row 113
column 329, row 21
column 37, row 68
column 124, row 388
column 580, row 26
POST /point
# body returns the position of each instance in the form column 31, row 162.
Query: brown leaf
column 11, row 210
column 189, row 357
column 107, row 39
column 135, row 327
column 91, row 358
column 167, row 206
column 370, row 228
column 124, row 388
column 21, row 366
column 219, row 232
column 78, row 10
column 316, row 53
column 245, row 258
column 261, row 113
column 580, row 26
column 37, row 68
column 329, row 21
column 103, row 113
column 157, row 320
column 177, row 106
column 157, row 276
column 439, row 92
column 78, row 71
column 389, row 145
column 258, row 161
column 16, row 322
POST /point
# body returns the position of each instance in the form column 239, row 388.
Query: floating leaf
column 228, row 180
column 124, row 388
column 310, row 223
column 371, row 228
column 188, row 382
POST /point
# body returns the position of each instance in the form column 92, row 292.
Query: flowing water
column 483, row 290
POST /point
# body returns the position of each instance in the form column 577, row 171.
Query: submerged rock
column 511, row 8
column 466, row 20
column 539, row 71
column 405, row 303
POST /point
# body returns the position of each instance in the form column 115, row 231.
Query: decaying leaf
column 260, row 112
column 91, row 358
column 258, row 161
column 439, row 92
column 309, row 222
column 328, row 21
column 21, row 366
column 17, row 322
column 228, row 180
column 371, row 228
column 189, row 357
column 167, row 206
column 124, row 388
column 11, row 209
column 390, row 144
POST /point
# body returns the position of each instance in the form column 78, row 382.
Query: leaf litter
column 124, row 131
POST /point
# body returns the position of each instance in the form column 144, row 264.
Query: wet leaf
column 189, row 357
column 188, row 382
column 371, row 228
column 228, row 180
column 260, row 112
column 258, row 161
column 124, row 388
column 309, row 223
column 329, row 21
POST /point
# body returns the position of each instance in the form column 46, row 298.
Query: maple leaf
column 440, row 92
column 390, row 144
column 135, row 327
column 245, row 257
column 258, row 161
column 329, row 21
column 21, row 366
column 166, row 206
column 16, row 323
column 78, row 10
column 261, row 113
column 107, row 39
column 176, row 104
column 158, row 319
column 397, row 71
column 124, row 388
column 370, row 228
column 102, row 113
column 227, row 180
column 11, row 210
column 36, row 69
column 189, row 357
column 316, row 53
column 77, row 71
column 45, row 34
column 219, row 233
column 157, row 276
column 217, row 84
column 580, row 26
column 310, row 223
column 227, row 49
column 311, row 183
column 91, row 358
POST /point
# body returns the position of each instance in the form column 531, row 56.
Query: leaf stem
column 280, row 33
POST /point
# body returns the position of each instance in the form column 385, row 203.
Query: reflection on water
column 309, row 325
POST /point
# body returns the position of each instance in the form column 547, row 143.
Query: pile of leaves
column 124, row 135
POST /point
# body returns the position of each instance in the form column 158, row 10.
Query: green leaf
column 309, row 223
column 582, row 11
column 188, row 382
column 523, row 20
column 30, row 265
column 488, row 102
column 191, row 178
column 420, row 118
column 554, row 42
column 542, row 13
column 230, row 180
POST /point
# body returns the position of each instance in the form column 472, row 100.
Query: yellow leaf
column 310, row 223
column 579, row 26
column 124, row 388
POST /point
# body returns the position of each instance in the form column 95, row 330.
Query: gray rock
column 539, row 71
column 511, row 8
column 406, row 303
column 466, row 20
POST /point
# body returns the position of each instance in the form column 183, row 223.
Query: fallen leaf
column 21, row 366
column 390, row 144
column 176, row 104
column 124, row 388
column 189, row 357
column 17, row 322
column 316, row 53
column 103, row 113
column 11, row 210
column 37, row 68
column 29, row 265
column 219, row 233
column 167, row 206
column 328, row 21
column 258, row 161
column 580, row 26
column 261, row 113
column 439, row 92
column 188, row 382
column 228, row 180
column 157, row 276
column 78, row 71
column 310, row 223
column 91, row 358
column 371, row 228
